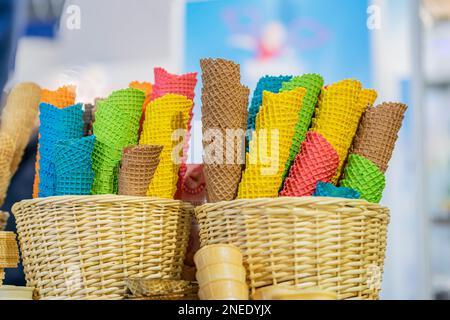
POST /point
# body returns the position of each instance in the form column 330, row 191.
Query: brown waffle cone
column 217, row 70
column 378, row 133
column 19, row 118
column 4, row 216
column 138, row 168
column 222, row 181
column 225, row 111
column 7, row 151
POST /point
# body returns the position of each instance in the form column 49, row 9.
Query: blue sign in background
column 281, row 37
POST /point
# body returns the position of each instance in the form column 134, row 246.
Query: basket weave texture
column 333, row 244
column 83, row 247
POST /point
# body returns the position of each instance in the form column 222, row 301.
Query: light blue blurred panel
column 281, row 37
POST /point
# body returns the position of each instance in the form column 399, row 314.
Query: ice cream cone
column 378, row 132
column 224, row 290
column 56, row 124
column 316, row 162
column 7, row 151
column 116, row 127
column 313, row 84
column 19, row 118
column 73, row 166
column 280, row 292
column 164, row 116
column 138, row 167
column 61, row 98
column 275, row 126
column 219, row 70
column 220, row 253
column 9, row 252
column 221, row 271
column 330, row 190
column 267, row 83
column 365, row 177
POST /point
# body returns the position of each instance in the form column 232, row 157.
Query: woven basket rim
column 107, row 199
column 286, row 201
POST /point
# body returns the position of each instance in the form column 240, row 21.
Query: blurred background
column 399, row 47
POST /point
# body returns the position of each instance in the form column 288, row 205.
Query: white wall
column 118, row 41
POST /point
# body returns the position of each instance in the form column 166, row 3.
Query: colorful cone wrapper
column 61, row 98
column 56, row 124
column 7, row 151
column 73, row 166
column 341, row 106
column 313, row 84
column 147, row 88
column 224, row 119
column 138, row 166
column 267, row 83
column 378, row 132
column 365, row 177
column 165, row 117
column 317, row 162
column 275, row 126
column 330, row 190
column 184, row 85
column 116, row 127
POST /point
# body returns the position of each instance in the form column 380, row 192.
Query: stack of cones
column 316, row 162
column 220, row 273
column 73, row 166
column 184, row 85
column 137, row 169
column 88, row 119
column 56, row 124
column 116, row 127
column 224, row 113
column 372, row 150
column 4, row 216
column 7, row 151
column 272, row 142
column 60, row 98
column 9, row 253
column 164, row 117
column 339, row 111
column 19, row 118
column 267, row 83
column 330, row 190
column 313, row 84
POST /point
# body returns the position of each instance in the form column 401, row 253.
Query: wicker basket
column 83, row 247
column 333, row 244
